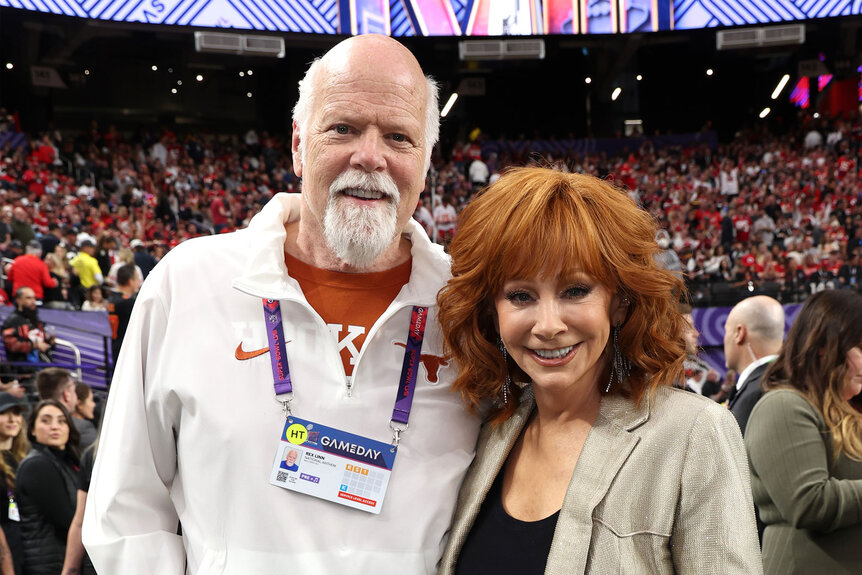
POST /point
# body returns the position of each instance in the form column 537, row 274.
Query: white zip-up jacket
column 191, row 432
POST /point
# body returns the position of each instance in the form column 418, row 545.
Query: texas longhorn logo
column 431, row 363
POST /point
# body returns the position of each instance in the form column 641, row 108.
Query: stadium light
column 616, row 93
column 781, row 83
column 449, row 103
column 155, row 68
column 199, row 78
column 816, row 115
column 86, row 72
column 588, row 80
column 764, row 112
column 179, row 82
column 241, row 74
column 173, row 90
column 9, row 65
column 709, row 72
column 639, row 77
column 248, row 94
column 250, row 72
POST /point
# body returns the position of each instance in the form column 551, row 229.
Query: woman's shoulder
column 680, row 403
column 781, row 402
column 675, row 413
column 35, row 462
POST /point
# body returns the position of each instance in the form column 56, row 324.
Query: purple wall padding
column 90, row 331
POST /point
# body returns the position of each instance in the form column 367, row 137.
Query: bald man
column 753, row 334
column 314, row 327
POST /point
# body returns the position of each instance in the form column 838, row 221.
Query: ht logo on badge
column 296, row 434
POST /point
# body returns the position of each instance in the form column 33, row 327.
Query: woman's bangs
column 555, row 239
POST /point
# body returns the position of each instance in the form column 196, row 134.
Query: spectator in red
column 742, row 223
column 30, row 271
column 219, row 213
column 44, row 151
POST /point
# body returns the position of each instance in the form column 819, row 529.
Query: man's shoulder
column 210, row 247
column 119, row 299
column 199, row 259
column 14, row 319
column 747, row 397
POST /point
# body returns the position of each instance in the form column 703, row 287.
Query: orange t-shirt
column 348, row 303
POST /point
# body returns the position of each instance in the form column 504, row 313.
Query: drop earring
column 508, row 379
column 620, row 366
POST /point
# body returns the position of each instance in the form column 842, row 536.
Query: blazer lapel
column 495, row 444
column 752, row 381
column 608, row 445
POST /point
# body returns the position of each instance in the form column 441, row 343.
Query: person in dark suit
column 753, row 334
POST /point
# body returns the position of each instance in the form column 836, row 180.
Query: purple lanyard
column 409, row 368
column 277, row 347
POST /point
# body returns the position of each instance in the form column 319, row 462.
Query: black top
column 46, row 498
column 86, row 471
column 52, row 294
column 41, row 482
column 501, row 544
column 5, row 491
column 84, row 476
column 119, row 314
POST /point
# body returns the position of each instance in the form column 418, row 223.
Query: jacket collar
column 615, row 411
column 624, row 413
column 608, row 446
column 265, row 274
column 610, row 442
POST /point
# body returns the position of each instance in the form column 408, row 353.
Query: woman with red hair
column 568, row 338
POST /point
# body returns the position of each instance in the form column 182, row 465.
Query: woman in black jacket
column 46, row 487
column 13, row 448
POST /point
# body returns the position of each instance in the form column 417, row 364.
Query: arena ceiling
column 107, row 73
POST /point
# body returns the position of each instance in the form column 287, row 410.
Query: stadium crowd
column 759, row 213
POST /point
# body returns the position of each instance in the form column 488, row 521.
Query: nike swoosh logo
column 241, row 354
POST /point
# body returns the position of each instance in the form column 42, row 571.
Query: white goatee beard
column 358, row 235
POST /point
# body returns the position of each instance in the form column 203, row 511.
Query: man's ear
column 739, row 334
column 296, row 150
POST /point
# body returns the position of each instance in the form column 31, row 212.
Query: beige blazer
column 659, row 488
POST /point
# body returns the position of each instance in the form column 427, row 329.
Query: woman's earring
column 621, row 367
column 508, row 379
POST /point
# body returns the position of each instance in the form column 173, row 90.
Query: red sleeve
column 15, row 339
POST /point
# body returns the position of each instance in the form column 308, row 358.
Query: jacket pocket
column 628, row 551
